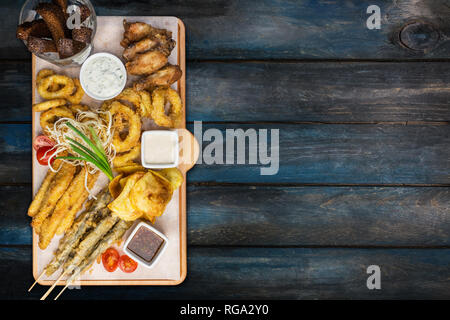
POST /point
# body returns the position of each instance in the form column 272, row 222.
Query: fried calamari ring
column 130, row 95
column 78, row 108
column 49, row 104
column 64, row 92
column 44, row 73
column 125, row 159
column 173, row 119
column 106, row 105
column 76, row 97
column 140, row 100
column 146, row 103
column 49, row 117
column 122, row 113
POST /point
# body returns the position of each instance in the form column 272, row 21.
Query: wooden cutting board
column 171, row 269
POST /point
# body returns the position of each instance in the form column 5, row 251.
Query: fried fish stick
column 115, row 234
column 40, row 195
column 74, row 235
column 68, row 219
column 57, row 187
column 68, row 205
column 89, row 242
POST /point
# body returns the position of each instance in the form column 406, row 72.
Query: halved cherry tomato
column 42, row 141
column 43, row 154
column 127, row 264
column 110, row 259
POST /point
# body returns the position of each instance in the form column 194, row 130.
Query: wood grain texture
column 325, row 154
column 270, row 29
column 318, row 216
column 262, row 273
column 15, row 223
column 287, row 216
column 327, row 92
column 250, row 91
column 15, row 164
column 344, row 154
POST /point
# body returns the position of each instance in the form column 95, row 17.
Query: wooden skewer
column 63, row 289
column 53, row 286
column 42, row 274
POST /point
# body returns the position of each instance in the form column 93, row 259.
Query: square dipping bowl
column 156, row 256
column 165, row 135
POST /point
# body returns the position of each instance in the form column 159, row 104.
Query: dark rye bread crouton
column 54, row 18
column 36, row 28
column 68, row 47
column 62, row 4
column 38, row 45
column 84, row 12
column 83, row 34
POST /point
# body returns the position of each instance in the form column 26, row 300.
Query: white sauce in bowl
column 159, row 149
column 103, row 76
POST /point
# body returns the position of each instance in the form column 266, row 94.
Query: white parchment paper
column 107, row 39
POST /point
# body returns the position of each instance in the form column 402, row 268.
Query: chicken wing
column 163, row 77
column 147, row 63
column 135, row 31
column 158, row 41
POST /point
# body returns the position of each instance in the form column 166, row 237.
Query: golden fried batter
column 147, row 63
column 162, row 78
column 56, row 189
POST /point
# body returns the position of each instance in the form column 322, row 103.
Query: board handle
column 189, row 150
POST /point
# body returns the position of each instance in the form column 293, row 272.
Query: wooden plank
column 267, row 273
column 15, row 85
column 287, row 216
column 15, row 142
column 318, row 216
column 325, row 92
column 342, row 154
column 283, row 29
column 323, row 154
column 15, row 223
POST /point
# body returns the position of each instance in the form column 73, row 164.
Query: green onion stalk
column 94, row 154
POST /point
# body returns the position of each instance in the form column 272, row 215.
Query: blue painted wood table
column 363, row 117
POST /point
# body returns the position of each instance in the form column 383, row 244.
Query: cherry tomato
column 110, row 259
column 42, row 155
column 127, row 264
column 42, row 141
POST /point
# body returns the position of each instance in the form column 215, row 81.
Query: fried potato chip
column 114, row 186
column 151, row 194
column 173, row 175
column 121, row 206
column 129, row 168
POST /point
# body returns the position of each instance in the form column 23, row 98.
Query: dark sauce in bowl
column 145, row 244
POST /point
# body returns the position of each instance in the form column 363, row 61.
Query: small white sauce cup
column 158, row 254
column 176, row 150
column 83, row 70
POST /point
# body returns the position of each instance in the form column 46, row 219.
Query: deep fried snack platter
column 171, row 269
